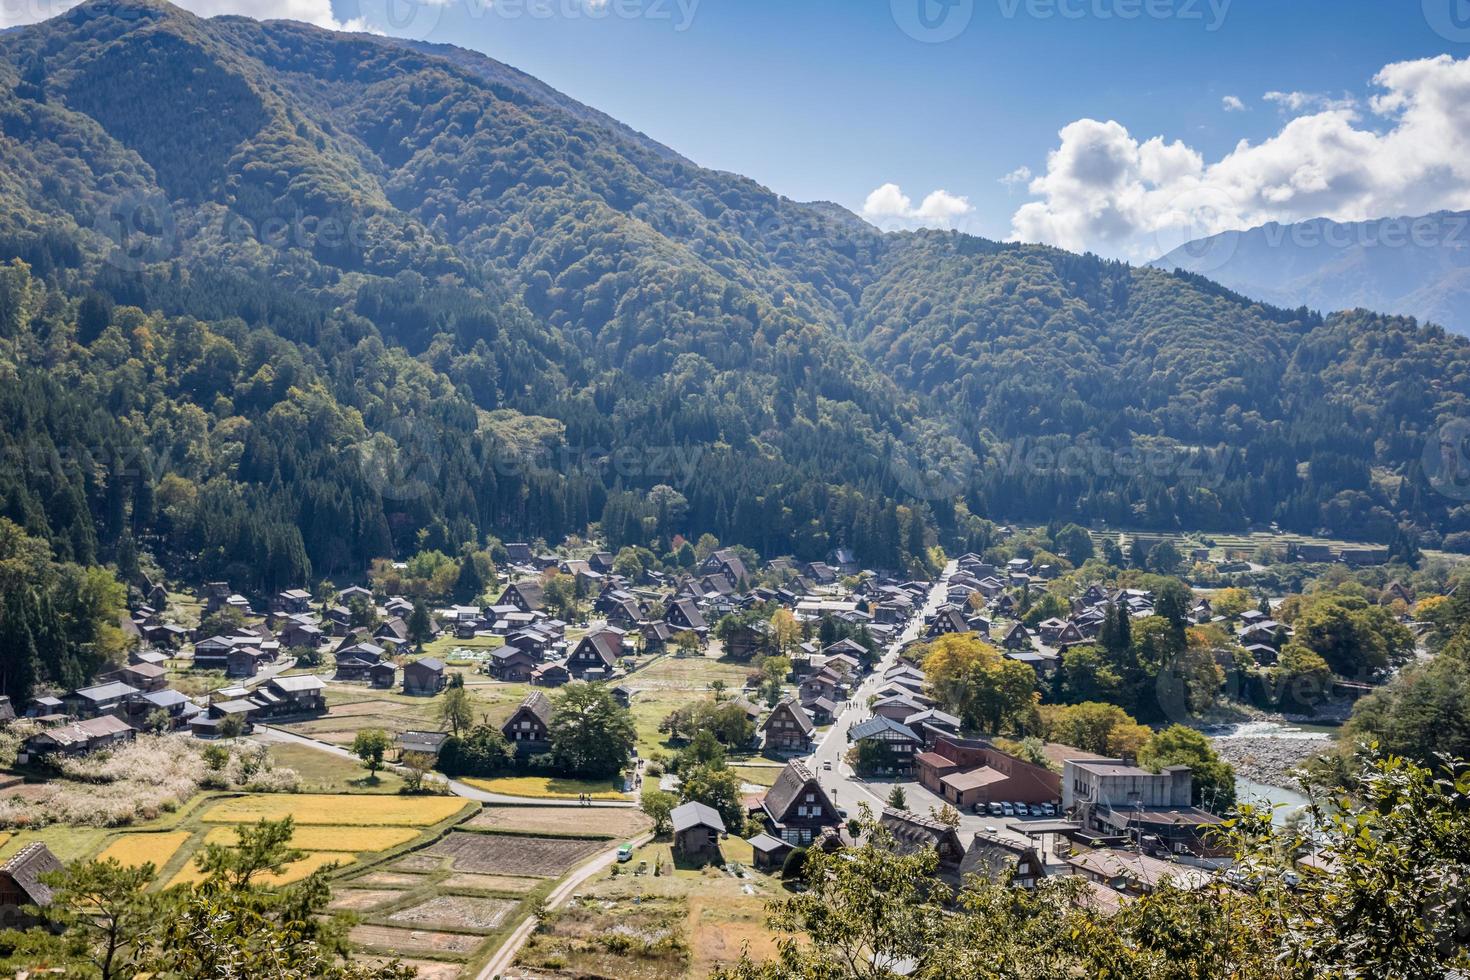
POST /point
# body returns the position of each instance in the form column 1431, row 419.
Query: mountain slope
column 335, row 282
column 1418, row 266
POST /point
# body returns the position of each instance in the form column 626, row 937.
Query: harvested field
column 413, row 940
column 545, row 857
column 417, row 863
column 488, row 883
column 362, row 899
column 318, row 809
column 353, row 840
column 136, row 850
column 456, row 912
column 360, row 708
column 390, row 879
column 615, row 822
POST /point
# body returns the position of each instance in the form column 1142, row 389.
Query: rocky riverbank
column 1269, row 759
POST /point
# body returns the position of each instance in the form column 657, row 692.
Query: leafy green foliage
column 1385, row 899
column 591, row 734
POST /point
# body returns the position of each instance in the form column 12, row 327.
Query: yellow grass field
column 293, row 872
column 4, row 839
column 354, row 811
column 135, row 850
column 353, row 840
column 547, row 788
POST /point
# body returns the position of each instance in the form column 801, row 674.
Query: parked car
column 1037, row 811
column 625, row 853
column 1049, row 810
column 994, row 810
column 1007, row 810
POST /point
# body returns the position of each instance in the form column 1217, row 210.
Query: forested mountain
column 1410, row 266
column 292, row 300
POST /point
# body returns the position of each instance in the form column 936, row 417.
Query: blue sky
column 829, row 99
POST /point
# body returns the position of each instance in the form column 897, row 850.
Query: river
column 1263, row 752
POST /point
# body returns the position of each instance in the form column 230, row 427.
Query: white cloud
column 1232, row 103
column 319, row 12
column 889, row 206
column 1294, row 102
column 1019, row 177
column 1107, row 191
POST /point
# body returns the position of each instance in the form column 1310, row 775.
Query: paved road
column 504, row 957
column 841, row 782
column 847, row 789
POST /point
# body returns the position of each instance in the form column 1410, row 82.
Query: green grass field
column 324, row 772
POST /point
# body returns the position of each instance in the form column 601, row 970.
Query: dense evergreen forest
column 276, row 302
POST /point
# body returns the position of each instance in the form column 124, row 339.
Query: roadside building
column 529, row 728
column 425, row 676
column 789, row 728
column 697, row 830
column 797, row 809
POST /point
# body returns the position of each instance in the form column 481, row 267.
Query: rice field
column 332, row 811
column 352, row 840
column 136, row 850
column 293, row 872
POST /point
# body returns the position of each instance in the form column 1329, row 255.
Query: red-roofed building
column 970, row 771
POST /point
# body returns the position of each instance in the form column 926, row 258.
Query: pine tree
column 470, row 585
column 18, row 665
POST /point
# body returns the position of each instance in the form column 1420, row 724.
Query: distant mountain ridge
column 264, row 252
column 1406, row 266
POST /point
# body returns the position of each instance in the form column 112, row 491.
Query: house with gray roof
column 697, row 830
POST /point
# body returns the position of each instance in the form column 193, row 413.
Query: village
column 760, row 709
